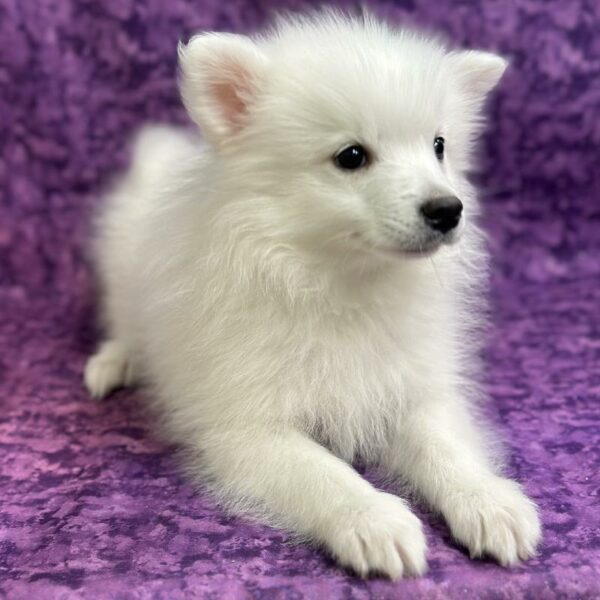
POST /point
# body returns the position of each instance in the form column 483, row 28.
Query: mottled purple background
column 92, row 503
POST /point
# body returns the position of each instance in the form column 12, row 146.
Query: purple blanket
column 92, row 503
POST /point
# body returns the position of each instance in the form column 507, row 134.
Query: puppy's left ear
column 221, row 76
column 475, row 74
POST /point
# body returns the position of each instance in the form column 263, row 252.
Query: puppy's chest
column 355, row 390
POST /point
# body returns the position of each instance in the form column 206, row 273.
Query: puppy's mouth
column 417, row 251
column 424, row 247
column 422, row 251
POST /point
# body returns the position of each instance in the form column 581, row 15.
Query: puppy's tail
column 156, row 150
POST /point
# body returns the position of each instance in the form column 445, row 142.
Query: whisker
column 437, row 274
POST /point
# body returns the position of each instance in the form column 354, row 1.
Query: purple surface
column 92, row 505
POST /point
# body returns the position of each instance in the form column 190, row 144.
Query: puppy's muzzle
column 442, row 214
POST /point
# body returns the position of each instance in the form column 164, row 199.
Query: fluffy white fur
column 291, row 316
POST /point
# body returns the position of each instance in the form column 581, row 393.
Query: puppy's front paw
column 384, row 537
column 495, row 519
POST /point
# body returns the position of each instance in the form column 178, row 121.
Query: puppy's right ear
column 221, row 76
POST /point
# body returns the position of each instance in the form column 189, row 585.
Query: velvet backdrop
column 92, row 504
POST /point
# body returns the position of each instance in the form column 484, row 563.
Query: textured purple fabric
column 92, row 504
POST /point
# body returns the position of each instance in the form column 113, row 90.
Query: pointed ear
column 475, row 74
column 221, row 75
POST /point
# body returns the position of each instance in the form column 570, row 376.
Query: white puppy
column 302, row 290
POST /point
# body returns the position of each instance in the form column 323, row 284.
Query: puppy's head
column 348, row 135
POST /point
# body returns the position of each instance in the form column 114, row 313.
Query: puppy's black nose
column 442, row 214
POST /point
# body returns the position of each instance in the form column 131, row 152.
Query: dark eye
column 438, row 147
column 351, row 158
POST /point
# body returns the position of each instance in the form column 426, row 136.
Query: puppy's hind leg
column 108, row 369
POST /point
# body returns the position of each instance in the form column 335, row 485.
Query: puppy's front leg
column 439, row 452
column 310, row 491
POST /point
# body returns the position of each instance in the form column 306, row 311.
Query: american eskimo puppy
column 302, row 288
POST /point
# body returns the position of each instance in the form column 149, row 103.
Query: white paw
column 496, row 519
column 384, row 537
column 107, row 370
